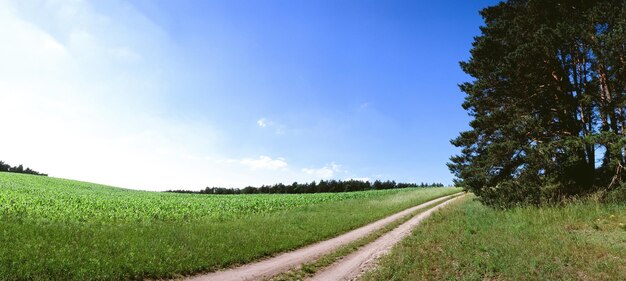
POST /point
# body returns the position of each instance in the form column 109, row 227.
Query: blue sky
column 156, row 94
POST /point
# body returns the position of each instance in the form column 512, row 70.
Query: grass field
column 69, row 230
column 467, row 241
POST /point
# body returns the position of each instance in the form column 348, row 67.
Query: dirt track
column 353, row 265
column 290, row 260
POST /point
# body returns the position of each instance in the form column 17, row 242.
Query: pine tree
column 546, row 100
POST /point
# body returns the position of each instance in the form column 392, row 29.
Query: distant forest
column 4, row 167
column 313, row 187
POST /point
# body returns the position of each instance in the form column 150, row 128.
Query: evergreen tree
column 547, row 99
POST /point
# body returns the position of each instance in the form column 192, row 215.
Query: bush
column 509, row 194
column 617, row 196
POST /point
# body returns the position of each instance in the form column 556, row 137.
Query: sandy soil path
column 354, row 265
column 283, row 262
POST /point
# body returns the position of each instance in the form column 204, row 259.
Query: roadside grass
column 88, row 244
column 583, row 240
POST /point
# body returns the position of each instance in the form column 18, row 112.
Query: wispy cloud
column 326, row 172
column 279, row 129
column 264, row 162
column 262, row 122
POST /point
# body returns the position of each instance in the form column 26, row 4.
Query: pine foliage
column 547, row 101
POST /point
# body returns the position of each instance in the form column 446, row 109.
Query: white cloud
column 262, row 123
column 326, row 172
column 279, row 129
column 264, row 162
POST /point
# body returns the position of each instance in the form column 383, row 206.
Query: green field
column 583, row 240
column 62, row 229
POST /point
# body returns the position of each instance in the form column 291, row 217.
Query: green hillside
column 64, row 229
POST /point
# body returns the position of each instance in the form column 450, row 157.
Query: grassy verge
column 467, row 241
column 36, row 246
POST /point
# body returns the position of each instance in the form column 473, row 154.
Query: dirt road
column 290, row 260
column 364, row 259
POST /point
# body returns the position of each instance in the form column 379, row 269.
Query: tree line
column 4, row 167
column 312, row 187
column 547, row 101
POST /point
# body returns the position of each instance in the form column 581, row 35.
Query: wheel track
column 273, row 266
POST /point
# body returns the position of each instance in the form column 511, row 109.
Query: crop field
column 60, row 200
column 583, row 240
column 62, row 229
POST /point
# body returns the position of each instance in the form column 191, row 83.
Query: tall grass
column 583, row 240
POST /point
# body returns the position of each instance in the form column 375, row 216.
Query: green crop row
column 57, row 200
